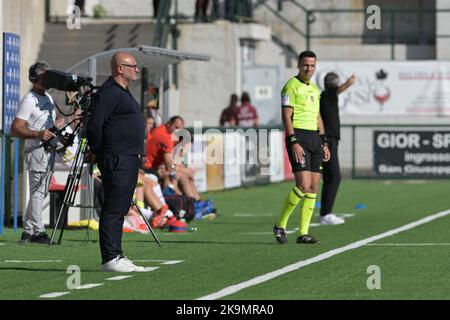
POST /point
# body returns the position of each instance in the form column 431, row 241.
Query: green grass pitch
column 239, row 246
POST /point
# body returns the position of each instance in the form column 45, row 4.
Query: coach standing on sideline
column 115, row 134
column 329, row 110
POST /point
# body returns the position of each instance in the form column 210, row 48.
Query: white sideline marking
column 408, row 244
column 166, row 262
column 2, row 244
column 345, row 215
column 253, row 214
column 292, row 231
column 31, row 261
column 342, row 215
column 118, row 278
column 53, row 294
column 300, row 264
column 148, row 269
column 89, row 286
column 172, row 262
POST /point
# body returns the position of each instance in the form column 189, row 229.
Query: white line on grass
column 300, row 264
column 32, row 261
column 53, row 294
column 342, row 215
column 148, row 269
column 118, row 278
column 89, row 286
column 2, row 244
column 408, row 244
column 172, row 262
column 345, row 215
column 166, row 262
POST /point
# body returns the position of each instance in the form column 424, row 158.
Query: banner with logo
column 412, row 154
column 420, row 88
column 11, row 79
column 249, row 154
column 197, row 162
column 231, row 158
column 263, row 171
column 214, row 161
column 276, row 156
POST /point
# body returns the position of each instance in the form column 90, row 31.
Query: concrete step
column 63, row 48
column 93, row 36
column 88, row 41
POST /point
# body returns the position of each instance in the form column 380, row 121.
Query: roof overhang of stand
column 153, row 58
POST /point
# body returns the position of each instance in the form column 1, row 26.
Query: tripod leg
column 62, row 214
column 148, row 224
column 71, row 188
column 55, row 227
column 66, row 213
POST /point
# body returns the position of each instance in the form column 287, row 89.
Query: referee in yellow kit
column 306, row 145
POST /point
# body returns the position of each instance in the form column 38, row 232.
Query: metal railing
column 163, row 23
column 393, row 36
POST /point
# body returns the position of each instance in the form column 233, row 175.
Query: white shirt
column 39, row 112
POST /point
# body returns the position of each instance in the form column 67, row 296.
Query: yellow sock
column 290, row 204
column 306, row 212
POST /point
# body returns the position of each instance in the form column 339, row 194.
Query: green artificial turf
column 239, row 246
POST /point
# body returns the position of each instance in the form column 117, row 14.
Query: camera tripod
column 73, row 185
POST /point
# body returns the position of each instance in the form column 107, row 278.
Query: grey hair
column 331, row 80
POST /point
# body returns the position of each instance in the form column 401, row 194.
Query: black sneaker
column 41, row 238
column 280, row 235
column 307, row 239
column 26, row 237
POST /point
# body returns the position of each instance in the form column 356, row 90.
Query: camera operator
column 33, row 122
column 116, row 133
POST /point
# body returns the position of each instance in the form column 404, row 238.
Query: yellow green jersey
column 304, row 99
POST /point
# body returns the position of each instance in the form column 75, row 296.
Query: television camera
column 83, row 90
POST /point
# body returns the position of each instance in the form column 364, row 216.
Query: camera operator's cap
column 37, row 70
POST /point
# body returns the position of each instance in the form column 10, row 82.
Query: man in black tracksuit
column 115, row 133
column 329, row 111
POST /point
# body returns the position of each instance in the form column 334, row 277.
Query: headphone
column 37, row 70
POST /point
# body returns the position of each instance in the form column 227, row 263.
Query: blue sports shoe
column 198, row 206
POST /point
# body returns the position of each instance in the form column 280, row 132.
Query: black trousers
column 99, row 196
column 119, row 176
column 331, row 178
column 201, row 7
